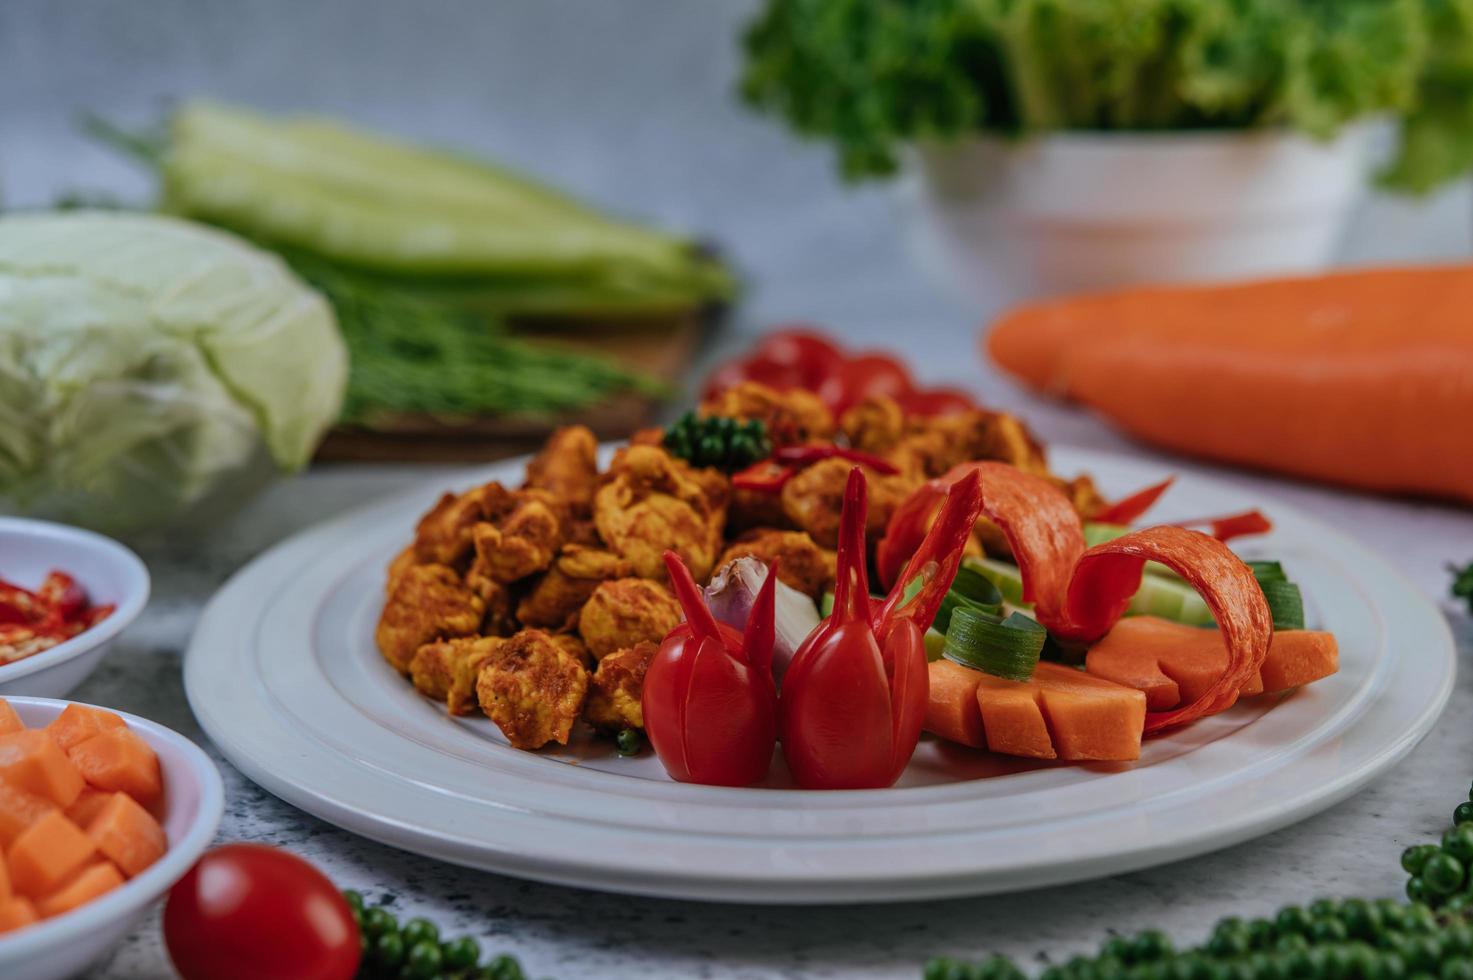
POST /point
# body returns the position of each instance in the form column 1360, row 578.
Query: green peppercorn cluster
column 1329, row 940
column 629, row 741
column 415, row 951
column 1442, row 874
column 727, row 444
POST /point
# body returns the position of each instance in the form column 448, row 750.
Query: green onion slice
column 1286, row 603
column 1007, row 648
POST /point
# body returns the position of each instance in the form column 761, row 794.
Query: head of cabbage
column 153, row 371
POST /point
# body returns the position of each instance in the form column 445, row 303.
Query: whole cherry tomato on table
column 251, row 912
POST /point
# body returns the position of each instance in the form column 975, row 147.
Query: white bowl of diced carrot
column 100, row 813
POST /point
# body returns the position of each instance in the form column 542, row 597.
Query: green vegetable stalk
column 874, row 75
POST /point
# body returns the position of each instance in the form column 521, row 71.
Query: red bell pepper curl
column 709, row 699
column 1127, row 509
column 937, row 558
column 1040, row 523
column 854, row 696
column 1233, row 525
column 1109, row 574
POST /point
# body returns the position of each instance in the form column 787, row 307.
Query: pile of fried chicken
column 544, row 604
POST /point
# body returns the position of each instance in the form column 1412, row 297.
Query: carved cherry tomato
column 864, row 376
column 810, row 356
column 937, row 401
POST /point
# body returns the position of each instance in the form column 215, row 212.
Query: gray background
column 629, row 103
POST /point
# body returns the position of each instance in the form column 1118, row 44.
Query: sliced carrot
column 91, row 882
column 6, row 890
column 18, row 810
column 32, row 761
column 88, row 805
column 10, row 718
column 78, row 722
column 127, row 834
column 119, row 760
column 1173, row 664
column 1060, row 713
column 17, row 913
column 1356, row 377
column 951, row 709
column 46, row 854
column 1299, row 657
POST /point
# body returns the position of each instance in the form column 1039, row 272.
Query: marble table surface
column 563, row 932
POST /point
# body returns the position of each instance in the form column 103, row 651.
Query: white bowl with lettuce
column 153, row 372
column 1050, row 147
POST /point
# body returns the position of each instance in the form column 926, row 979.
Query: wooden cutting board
column 663, row 348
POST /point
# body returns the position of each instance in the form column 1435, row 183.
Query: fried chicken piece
column 874, row 425
column 814, row 498
column 651, row 502
column 402, row 562
column 627, row 611
column 429, row 603
column 443, row 535
column 791, row 417
column 1083, row 494
column 934, row 445
column 751, row 509
column 802, row 565
column 615, row 693
column 533, row 688
column 557, row 596
column 567, row 468
column 573, row 643
column 498, row 619
column 520, row 536
column 446, row 670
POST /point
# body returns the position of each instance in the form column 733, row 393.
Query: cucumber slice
column 1002, row 574
column 1168, row 597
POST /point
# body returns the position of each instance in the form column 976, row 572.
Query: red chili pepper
column 1127, row 509
column 1233, row 525
column 771, row 475
column 709, row 700
column 808, row 455
column 62, row 593
column 854, row 696
column 18, row 605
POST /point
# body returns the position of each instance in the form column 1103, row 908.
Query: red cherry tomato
column 251, row 912
column 937, row 401
column 862, row 377
column 811, row 357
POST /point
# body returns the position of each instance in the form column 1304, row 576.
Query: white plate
column 283, row 674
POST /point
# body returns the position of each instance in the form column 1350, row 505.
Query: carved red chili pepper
column 1231, row 526
column 709, row 700
column 1127, row 509
column 854, row 696
column 770, row 475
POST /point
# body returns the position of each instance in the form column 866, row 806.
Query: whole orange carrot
column 1363, row 378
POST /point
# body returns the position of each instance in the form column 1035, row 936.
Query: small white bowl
column 108, row 571
column 194, row 798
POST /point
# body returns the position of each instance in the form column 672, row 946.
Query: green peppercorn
column 425, row 961
column 1421, row 953
column 377, row 921
column 630, row 741
column 388, row 950
column 1362, row 961
column 1457, row 939
column 1152, row 944
column 1457, row 903
column 1460, row 968
column 1463, row 814
column 1292, row 920
column 1116, row 947
column 1326, row 930
column 1390, row 966
column 1414, row 859
column 1443, row 874
column 1418, row 918
column 504, row 967
column 1238, row 970
column 420, row 930
column 1181, row 968
column 1307, row 963
column 1106, row 968
column 1416, row 889
column 1230, row 938
column 1362, row 919
column 937, row 968
column 1261, row 933
column 1291, row 942
column 461, row 954
column 1459, row 843
column 1338, row 961
column 1324, row 908
column 354, row 899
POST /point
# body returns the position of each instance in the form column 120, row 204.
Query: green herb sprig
column 727, row 444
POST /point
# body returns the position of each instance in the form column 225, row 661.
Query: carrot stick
column 1363, row 378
